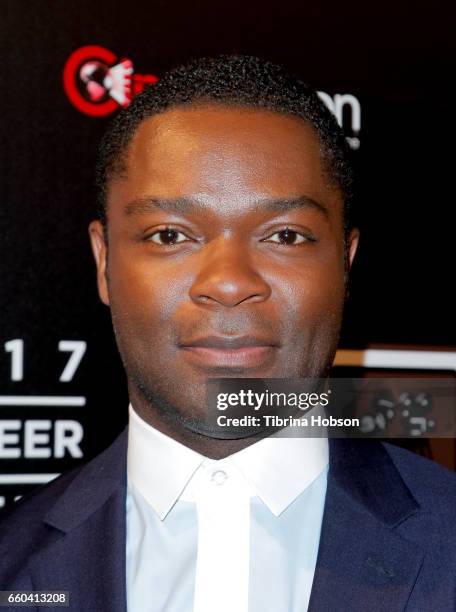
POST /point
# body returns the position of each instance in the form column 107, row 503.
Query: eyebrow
column 186, row 205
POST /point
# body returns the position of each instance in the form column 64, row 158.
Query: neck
column 213, row 448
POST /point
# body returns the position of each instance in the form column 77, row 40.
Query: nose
column 227, row 276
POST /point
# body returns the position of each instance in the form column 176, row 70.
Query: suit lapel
column 84, row 552
column 363, row 563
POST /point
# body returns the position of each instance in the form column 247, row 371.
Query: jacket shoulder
column 32, row 507
column 24, row 531
column 432, row 485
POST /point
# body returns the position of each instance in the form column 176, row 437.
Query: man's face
column 226, row 253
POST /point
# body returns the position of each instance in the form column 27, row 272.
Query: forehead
column 227, row 154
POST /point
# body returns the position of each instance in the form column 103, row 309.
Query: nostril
column 206, row 299
column 242, row 286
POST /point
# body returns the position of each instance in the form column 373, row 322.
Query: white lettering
column 8, row 439
column 41, row 439
column 67, row 436
column 77, row 348
column 16, row 348
column 347, row 110
column 32, row 438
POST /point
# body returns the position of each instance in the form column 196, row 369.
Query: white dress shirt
column 238, row 534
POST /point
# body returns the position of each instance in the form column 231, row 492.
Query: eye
column 167, row 236
column 288, row 237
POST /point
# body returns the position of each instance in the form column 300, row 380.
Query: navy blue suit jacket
column 388, row 541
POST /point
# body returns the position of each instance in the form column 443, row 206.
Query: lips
column 230, row 352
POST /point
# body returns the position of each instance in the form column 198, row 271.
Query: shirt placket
column 222, row 570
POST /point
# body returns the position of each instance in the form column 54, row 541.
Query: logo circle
column 70, row 76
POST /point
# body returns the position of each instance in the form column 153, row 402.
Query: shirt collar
column 277, row 469
column 158, row 466
column 280, row 468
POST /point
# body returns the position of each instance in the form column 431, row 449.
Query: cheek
column 143, row 297
column 314, row 317
column 312, row 293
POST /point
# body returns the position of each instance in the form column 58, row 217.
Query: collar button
column 219, row 477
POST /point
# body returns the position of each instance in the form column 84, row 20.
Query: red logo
column 97, row 83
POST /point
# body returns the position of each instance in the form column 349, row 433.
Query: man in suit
column 223, row 247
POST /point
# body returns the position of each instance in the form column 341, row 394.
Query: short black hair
column 228, row 80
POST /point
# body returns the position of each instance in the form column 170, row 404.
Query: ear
column 100, row 250
column 352, row 245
